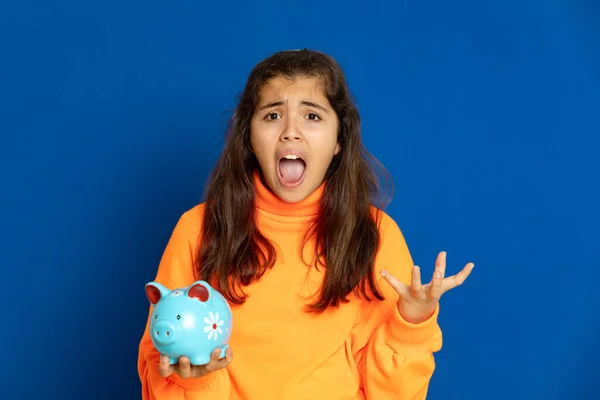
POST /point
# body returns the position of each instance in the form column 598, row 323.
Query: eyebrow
column 303, row 102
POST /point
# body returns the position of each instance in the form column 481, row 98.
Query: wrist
column 193, row 383
column 415, row 317
column 411, row 339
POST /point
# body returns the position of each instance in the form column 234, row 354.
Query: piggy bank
column 191, row 321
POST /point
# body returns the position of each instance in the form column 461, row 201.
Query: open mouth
column 291, row 170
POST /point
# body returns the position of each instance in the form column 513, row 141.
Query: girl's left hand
column 418, row 302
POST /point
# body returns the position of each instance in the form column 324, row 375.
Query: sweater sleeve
column 394, row 357
column 176, row 270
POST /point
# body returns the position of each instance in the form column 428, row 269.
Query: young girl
column 326, row 301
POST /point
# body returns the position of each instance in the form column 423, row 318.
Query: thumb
column 164, row 366
column 398, row 286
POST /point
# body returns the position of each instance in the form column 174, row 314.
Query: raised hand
column 184, row 368
column 418, row 302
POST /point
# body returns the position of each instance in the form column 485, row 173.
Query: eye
column 156, row 316
column 271, row 116
column 313, row 117
column 179, row 317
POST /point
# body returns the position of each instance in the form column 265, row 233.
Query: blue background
column 112, row 114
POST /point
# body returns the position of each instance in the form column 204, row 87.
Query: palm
column 418, row 301
column 184, row 369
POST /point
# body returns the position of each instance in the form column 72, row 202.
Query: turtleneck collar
column 268, row 201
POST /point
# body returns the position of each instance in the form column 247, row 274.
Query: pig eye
column 179, row 317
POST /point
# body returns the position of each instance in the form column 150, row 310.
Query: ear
column 338, row 148
column 199, row 290
column 155, row 291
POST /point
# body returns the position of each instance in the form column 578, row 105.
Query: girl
column 326, row 301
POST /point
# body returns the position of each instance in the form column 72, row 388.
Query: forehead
column 281, row 88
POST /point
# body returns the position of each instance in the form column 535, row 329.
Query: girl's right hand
column 185, row 370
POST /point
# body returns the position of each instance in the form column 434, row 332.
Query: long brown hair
column 232, row 251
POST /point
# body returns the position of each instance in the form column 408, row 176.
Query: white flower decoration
column 213, row 326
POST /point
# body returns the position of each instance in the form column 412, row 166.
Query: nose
column 164, row 332
column 291, row 132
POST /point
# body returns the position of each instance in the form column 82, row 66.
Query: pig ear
column 155, row 291
column 198, row 291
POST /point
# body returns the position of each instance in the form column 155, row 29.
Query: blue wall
column 112, row 114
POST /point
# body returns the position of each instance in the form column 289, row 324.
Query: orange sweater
column 361, row 350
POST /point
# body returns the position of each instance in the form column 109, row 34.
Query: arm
column 176, row 270
column 395, row 357
column 398, row 360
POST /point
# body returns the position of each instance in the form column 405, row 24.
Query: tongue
column 291, row 170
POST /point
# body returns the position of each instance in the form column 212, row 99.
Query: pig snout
column 164, row 332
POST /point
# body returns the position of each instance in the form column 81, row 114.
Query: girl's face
column 294, row 136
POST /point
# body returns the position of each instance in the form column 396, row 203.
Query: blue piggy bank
column 191, row 321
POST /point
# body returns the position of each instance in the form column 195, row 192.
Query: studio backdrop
column 113, row 113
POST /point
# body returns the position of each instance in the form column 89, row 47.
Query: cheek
column 262, row 146
column 326, row 139
column 256, row 138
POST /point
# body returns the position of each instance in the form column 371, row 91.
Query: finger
column 218, row 363
column 416, row 287
column 400, row 287
column 164, row 366
column 440, row 263
column 214, row 358
column 216, row 355
column 435, row 290
column 185, row 369
column 223, row 362
column 456, row 280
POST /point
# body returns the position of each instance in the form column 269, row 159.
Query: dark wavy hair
column 232, row 251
